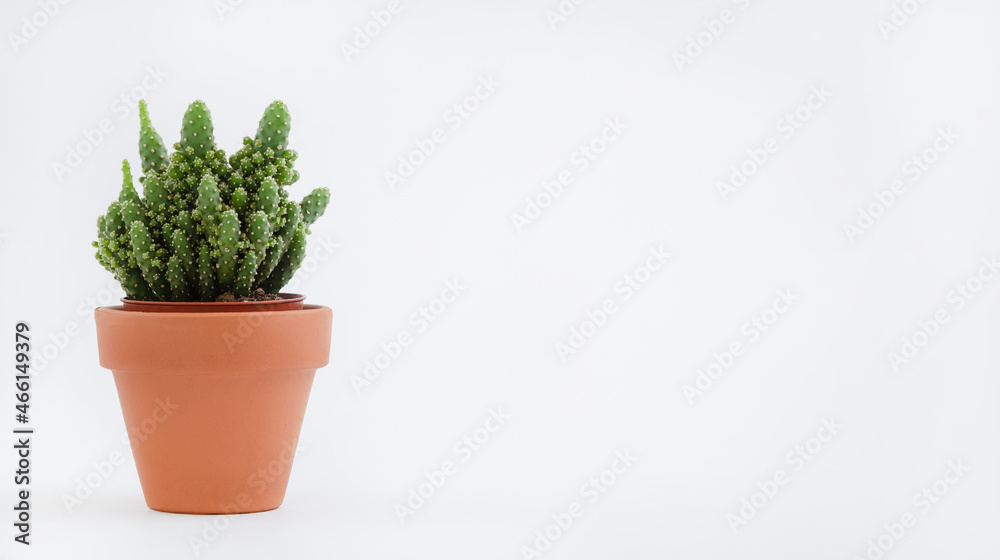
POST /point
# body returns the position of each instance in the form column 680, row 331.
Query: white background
column 656, row 185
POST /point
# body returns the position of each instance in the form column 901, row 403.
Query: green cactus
column 182, row 250
column 272, row 132
column 314, row 204
column 228, row 243
column 133, row 212
column 206, row 225
column 102, row 226
column 185, row 224
column 128, row 189
column 179, row 288
column 136, row 287
column 283, row 237
column 206, row 274
column 144, row 250
column 239, row 199
column 244, row 279
column 113, row 222
column 197, row 131
column 289, row 263
column 268, row 197
column 152, row 152
column 258, row 233
column 209, row 200
column 271, row 260
column 292, row 215
column 155, row 194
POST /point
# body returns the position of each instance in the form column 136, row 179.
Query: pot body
column 213, row 401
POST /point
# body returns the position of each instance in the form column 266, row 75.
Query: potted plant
column 213, row 365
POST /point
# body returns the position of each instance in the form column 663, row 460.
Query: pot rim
column 185, row 343
column 288, row 302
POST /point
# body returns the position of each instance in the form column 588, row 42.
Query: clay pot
column 213, row 396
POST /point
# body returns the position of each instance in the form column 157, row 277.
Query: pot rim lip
column 306, row 308
column 286, row 300
column 285, row 297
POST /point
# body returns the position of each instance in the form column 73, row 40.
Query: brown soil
column 256, row 295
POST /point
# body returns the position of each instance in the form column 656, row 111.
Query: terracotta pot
column 213, row 397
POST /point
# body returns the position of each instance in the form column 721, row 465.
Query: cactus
column 207, row 227
column 228, row 244
column 128, row 189
column 259, row 234
column 271, row 260
column 267, row 197
column 155, row 194
column 197, row 131
column 244, row 279
column 209, row 200
column 131, row 212
column 145, row 255
column 314, row 204
column 239, row 199
column 289, row 263
column 179, row 288
column 152, row 152
column 206, row 274
column 273, row 129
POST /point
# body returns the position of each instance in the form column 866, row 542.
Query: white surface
column 496, row 345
